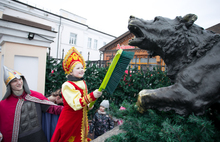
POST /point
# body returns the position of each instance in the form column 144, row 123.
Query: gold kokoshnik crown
column 71, row 58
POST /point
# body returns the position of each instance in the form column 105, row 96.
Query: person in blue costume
column 49, row 121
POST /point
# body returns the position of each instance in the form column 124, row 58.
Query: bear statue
column 192, row 57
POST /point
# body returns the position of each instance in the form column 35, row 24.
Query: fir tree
column 159, row 126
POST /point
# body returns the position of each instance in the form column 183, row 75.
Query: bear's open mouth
column 139, row 36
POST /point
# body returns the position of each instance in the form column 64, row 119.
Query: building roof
column 215, row 28
column 115, row 41
column 25, row 22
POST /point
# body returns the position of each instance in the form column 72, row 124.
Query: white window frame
column 73, row 38
column 95, row 45
column 89, row 43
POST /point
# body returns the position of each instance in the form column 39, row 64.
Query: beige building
column 24, row 51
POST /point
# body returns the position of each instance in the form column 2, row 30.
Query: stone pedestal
column 114, row 131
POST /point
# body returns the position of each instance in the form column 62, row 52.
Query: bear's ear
column 189, row 19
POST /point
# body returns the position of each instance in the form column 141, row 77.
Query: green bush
column 159, row 126
column 55, row 76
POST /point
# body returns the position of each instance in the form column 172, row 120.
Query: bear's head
column 178, row 41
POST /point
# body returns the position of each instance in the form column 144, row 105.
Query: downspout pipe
column 58, row 37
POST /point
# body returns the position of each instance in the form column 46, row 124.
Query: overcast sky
column 111, row 16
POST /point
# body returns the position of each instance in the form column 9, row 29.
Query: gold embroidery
column 71, row 139
column 89, row 98
column 84, row 126
column 84, row 101
column 86, row 98
column 75, row 56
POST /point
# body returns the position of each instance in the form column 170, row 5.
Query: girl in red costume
column 72, row 125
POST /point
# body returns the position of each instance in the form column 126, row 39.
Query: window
column 73, row 38
column 89, row 43
column 135, row 60
column 151, row 60
column 144, row 60
column 95, row 43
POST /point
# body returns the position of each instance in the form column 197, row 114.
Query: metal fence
column 143, row 67
column 105, row 63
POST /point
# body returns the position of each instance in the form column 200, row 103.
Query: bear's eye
column 156, row 19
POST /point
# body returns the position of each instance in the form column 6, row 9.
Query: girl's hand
column 91, row 107
column 97, row 93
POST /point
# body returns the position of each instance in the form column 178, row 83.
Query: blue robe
column 49, row 122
